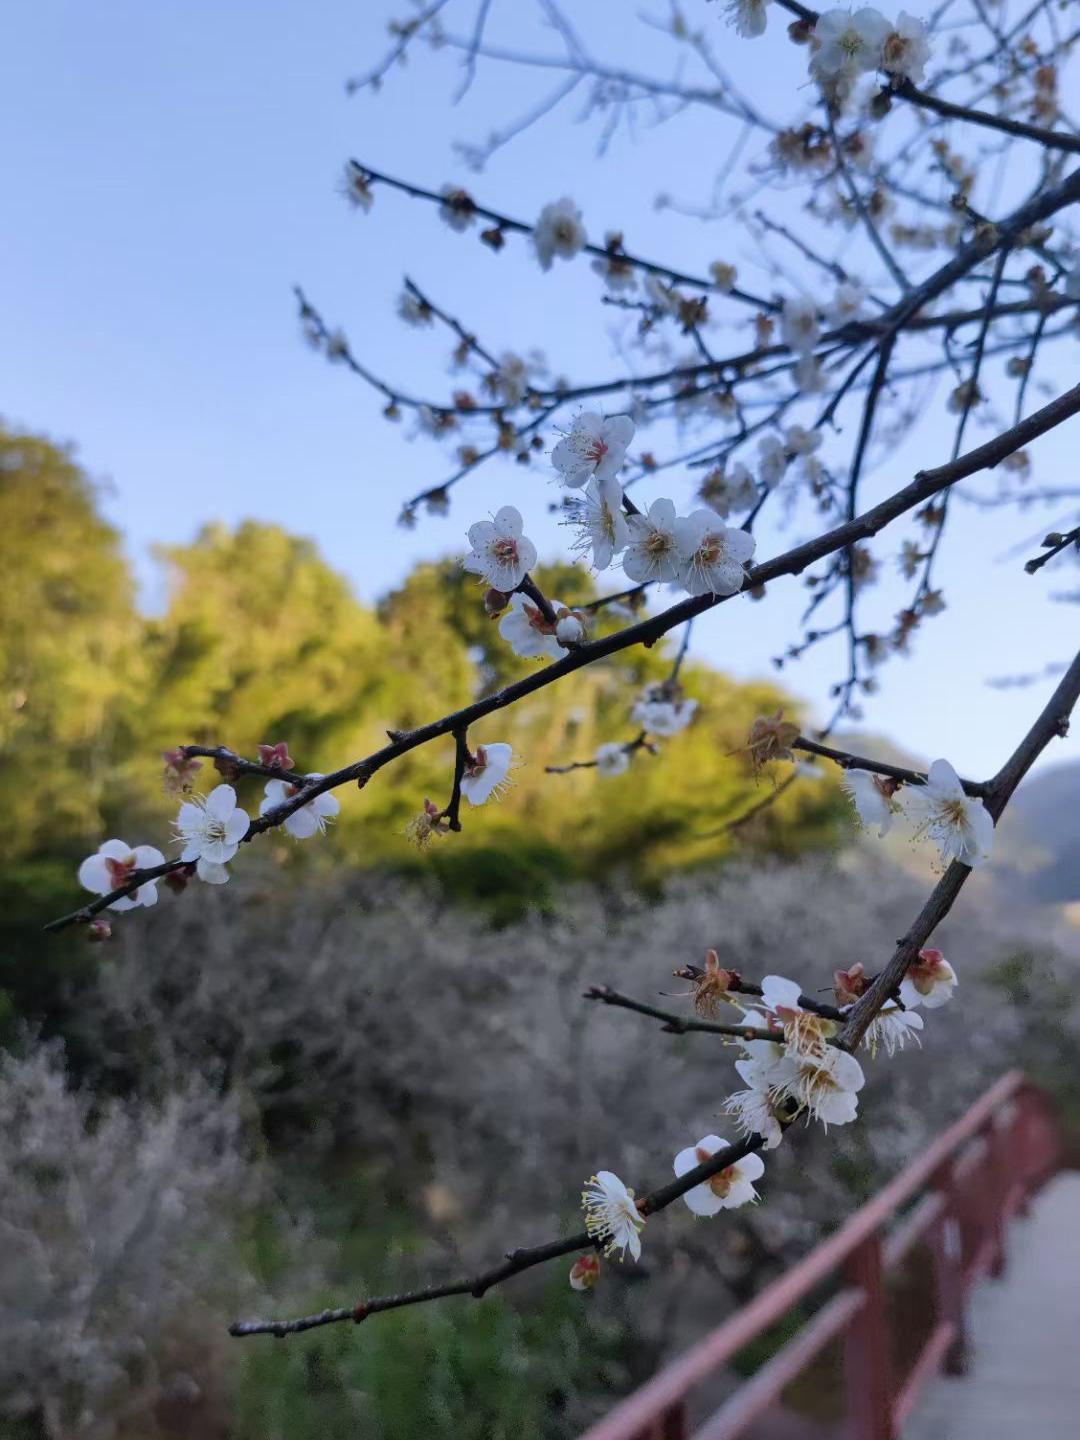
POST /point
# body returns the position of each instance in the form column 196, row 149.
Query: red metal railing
column 957, row 1200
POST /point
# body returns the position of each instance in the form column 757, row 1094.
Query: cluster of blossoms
column 695, row 552
column 940, row 811
column 846, row 44
column 790, row 1065
column 209, row 831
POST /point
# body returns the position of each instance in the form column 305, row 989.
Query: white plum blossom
column 661, row 714
column 457, row 209
column 960, row 826
column 594, row 446
column 809, row 374
column 612, row 759
column 799, row 324
column 500, row 553
column 847, row 303
column 211, row 829
column 727, row 1190
column 759, row 1108
column 712, row 556
column 848, row 42
column 749, row 17
column 873, row 797
column 611, row 1214
column 558, row 231
column 906, row 48
column 805, row 1032
column 930, row 981
column 651, row 552
column 733, row 489
column 772, row 460
column 892, row 1028
column 487, row 773
column 662, row 296
column 800, row 441
column 511, row 380
column 603, row 528
column 526, row 631
column 113, row 864
column 356, row 186
column 827, row 1085
column 311, row 819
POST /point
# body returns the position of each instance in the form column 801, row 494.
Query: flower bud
column 495, row 602
column 569, row 628
column 848, row 985
column 880, row 105
column 585, row 1272
column 98, row 930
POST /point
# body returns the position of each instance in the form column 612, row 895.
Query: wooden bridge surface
column 1023, row 1381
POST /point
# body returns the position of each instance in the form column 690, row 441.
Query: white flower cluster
column 958, row 824
column 848, row 43
column 696, row 552
column 796, row 1071
column 209, row 830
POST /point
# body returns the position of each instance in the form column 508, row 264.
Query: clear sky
column 169, row 172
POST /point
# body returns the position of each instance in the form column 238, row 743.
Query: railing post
column 867, row 1359
column 948, row 1260
column 673, row 1422
column 997, row 1160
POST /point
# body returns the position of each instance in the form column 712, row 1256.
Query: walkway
column 1024, row 1337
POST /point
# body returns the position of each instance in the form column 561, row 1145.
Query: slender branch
column 1053, row 721
column 679, row 1024
column 847, row 761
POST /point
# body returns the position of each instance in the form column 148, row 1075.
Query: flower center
column 710, row 550
column 596, row 450
column 954, row 812
column 536, row 620
column 658, row 543
column 505, row 551
column 850, row 42
column 120, row 871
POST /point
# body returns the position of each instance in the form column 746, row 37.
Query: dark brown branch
column 678, row 1024
column 847, row 761
column 646, row 632
column 516, row 1260
column 1055, row 544
column 1053, row 722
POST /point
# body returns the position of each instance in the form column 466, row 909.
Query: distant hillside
column 1040, row 834
column 1037, row 850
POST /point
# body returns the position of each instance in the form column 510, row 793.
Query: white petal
column 94, row 875
column 146, row 857
column 302, row 824
column 944, row 779
column 189, row 817
column 212, row 873
column 221, row 802
column 115, row 849
column 508, row 521
column 236, row 826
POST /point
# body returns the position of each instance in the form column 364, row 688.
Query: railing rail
column 966, row 1186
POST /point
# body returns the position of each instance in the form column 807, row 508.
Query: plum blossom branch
column 645, row 632
column 1053, row 721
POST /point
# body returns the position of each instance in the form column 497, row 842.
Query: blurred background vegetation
column 359, row 1067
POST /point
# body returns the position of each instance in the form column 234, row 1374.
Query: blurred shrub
column 115, row 1238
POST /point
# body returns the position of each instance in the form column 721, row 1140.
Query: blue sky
column 170, row 172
